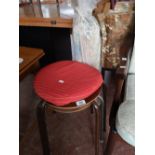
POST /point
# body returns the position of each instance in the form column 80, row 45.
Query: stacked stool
column 67, row 87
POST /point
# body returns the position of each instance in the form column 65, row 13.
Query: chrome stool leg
column 42, row 127
column 101, row 100
column 96, row 107
column 104, row 108
column 102, row 123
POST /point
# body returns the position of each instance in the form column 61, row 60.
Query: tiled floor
column 69, row 134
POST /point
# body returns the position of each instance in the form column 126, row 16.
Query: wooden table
column 31, row 57
column 44, row 15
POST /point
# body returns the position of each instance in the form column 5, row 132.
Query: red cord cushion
column 64, row 82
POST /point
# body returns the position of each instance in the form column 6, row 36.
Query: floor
column 69, row 134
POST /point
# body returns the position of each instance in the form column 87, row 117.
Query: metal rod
column 97, row 129
column 43, row 128
column 104, row 108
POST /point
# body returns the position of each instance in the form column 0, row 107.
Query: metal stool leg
column 30, row 1
column 97, row 129
column 92, row 109
column 42, row 127
column 102, row 123
column 102, row 100
column 103, row 114
column 104, row 109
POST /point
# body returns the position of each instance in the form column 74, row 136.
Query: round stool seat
column 65, row 82
column 125, row 121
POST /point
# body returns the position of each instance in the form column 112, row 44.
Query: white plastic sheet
column 86, row 41
column 66, row 9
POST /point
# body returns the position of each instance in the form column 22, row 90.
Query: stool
column 67, row 87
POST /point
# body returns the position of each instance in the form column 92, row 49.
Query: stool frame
column 71, row 108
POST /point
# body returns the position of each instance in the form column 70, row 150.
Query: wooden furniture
column 64, row 87
column 44, row 14
column 30, row 58
column 122, row 112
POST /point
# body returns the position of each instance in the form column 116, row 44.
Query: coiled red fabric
column 65, row 82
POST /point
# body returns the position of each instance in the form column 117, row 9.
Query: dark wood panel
column 54, row 41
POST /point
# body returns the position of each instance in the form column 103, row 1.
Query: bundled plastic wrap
column 86, row 41
column 66, row 9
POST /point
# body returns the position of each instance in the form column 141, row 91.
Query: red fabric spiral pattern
column 64, row 82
